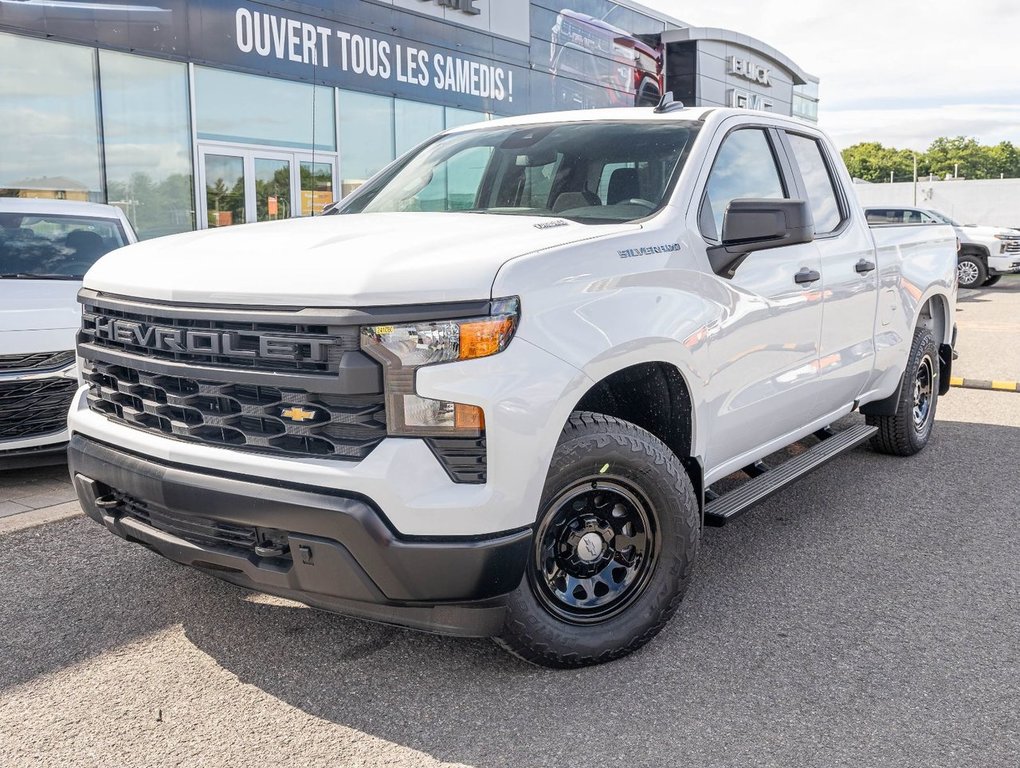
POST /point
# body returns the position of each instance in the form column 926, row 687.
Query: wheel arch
column 975, row 249
column 655, row 395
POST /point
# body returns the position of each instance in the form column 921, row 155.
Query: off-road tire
column 971, row 271
column 900, row 434
column 988, row 283
column 591, row 447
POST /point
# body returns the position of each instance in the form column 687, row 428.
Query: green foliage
column 960, row 155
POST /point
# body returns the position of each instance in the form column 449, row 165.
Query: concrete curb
column 35, row 517
column 998, row 386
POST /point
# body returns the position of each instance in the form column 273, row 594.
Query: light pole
column 915, row 177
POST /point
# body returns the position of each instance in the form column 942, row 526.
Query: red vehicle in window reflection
column 596, row 64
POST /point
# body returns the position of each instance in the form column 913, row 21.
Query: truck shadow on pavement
column 863, row 609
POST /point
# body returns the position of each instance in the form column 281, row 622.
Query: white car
column 986, row 253
column 492, row 395
column 46, row 247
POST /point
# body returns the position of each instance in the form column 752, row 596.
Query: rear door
column 849, row 271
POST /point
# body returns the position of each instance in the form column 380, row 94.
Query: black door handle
column 806, row 276
column 864, row 267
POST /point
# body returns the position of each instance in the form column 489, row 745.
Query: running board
column 732, row 505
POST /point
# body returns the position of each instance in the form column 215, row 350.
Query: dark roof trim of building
column 800, row 77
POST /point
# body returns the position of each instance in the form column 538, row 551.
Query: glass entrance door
column 239, row 185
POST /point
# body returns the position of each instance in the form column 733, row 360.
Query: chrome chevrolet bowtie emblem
column 298, row 414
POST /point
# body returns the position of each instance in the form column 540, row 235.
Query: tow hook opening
column 272, row 542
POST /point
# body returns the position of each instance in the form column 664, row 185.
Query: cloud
column 881, row 62
column 914, row 128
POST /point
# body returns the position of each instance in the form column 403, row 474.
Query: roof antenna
column 667, row 104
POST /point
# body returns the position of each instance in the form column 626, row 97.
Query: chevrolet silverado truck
column 495, row 394
column 986, row 253
column 46, row 246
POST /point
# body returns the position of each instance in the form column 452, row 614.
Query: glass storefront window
column 224, row 190
column 415, row 122
column 250, row 109
column 366, row 137
column 316, row 187
column 147, row 134
column 457, row 117
column 49, row 134
column 272, row 189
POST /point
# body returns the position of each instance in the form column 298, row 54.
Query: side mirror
column 755, row 225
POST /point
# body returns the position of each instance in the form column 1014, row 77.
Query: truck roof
column 636, row 114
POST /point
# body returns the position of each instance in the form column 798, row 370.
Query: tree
column 957, row 156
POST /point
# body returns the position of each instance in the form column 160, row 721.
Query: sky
column 902, row 73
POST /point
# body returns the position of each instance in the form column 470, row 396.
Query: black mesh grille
column 264, row 346
column 38, row 361
column 198, row 530
column 242, row 416
column 31, row 408
column 464, row 459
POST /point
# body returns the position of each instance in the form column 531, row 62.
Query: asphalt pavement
column 868, row 616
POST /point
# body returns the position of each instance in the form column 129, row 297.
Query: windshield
column 593, row 173
column 942, row 218
column 55, row 247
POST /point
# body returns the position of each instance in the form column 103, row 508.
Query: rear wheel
column 970, row 270
column 908, row 430
column 614, row 547
column 991, row 281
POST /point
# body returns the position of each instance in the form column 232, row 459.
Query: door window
column 272, row 189
column 744, row 168
column 224, row 190
column 821, row 191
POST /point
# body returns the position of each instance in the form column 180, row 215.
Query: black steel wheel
column 908, row 430
column 594, row 550
column 615, row 540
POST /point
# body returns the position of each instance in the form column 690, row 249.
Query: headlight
column 402, row 349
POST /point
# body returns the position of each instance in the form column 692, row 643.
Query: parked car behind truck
column 492, row 396
column 986, row 253
column 46, row 246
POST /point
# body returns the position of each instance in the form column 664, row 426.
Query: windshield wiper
column 33, row 276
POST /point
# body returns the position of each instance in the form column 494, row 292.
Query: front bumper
column 335, row 551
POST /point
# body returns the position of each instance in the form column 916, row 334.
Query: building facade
column 203, row 113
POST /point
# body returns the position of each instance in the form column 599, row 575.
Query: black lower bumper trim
column 339, row 554
column 39, row 456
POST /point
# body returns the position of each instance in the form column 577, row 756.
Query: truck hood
column 369, row 259
column 977, row 230
column 38, row 305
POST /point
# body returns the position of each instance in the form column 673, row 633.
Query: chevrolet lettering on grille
column 204, row 342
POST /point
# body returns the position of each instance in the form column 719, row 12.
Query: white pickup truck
column 492, row 396
column 986, row 253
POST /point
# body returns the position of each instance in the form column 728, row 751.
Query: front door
column 764, row 355
column 244, row 185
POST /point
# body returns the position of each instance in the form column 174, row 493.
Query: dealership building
column 201, row 113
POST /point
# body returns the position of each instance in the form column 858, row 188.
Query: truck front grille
column 282, row 382
column 38, row 361
column 34, row 408
column 242, row 416
column 1011, row 246
column 222, row 339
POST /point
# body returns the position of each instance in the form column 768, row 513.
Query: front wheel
column 908, row 430
column 971, row 271
column 615, row 541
